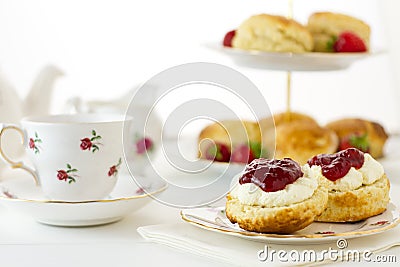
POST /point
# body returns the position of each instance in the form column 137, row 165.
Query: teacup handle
column 14, row 164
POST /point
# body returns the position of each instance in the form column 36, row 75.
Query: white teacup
column 76, row 157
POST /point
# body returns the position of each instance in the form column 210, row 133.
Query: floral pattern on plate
column 214, row 219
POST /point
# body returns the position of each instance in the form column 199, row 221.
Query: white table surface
column 24, row 242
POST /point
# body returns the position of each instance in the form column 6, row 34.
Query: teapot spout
column 38, row 100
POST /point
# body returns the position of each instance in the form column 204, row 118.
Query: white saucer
column 20, row 194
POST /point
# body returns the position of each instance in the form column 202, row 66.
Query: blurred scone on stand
column 272, row 33
column 368, row 136
column 328, row 27
column 230, row 140
column 294, row 135
column 324, row 32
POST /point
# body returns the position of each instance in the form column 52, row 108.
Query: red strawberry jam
column 271, row 174
column 336, row 166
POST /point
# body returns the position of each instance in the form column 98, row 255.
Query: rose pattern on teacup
column 91, row 144
column 69, row 175
column 113, row 171
column 33, row 143
column 57, row 147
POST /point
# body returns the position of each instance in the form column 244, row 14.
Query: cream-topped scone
column 250, row 194
column 357, row 185
column 274, row 196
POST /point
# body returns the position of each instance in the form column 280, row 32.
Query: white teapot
column 13, row 108
column 37, row 102
column 141, row 146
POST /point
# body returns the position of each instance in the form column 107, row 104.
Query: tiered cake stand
column 289, row 62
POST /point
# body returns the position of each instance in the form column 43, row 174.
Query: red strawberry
column 143, row 145
column 358, row 141
column 218, row 152
column 349, row 42
column 228, row 38
column 243, row 154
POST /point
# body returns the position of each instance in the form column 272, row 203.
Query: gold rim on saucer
column 86, row 201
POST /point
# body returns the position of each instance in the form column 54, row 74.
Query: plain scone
column 325, row 26
column 301, row 140
column 273, row 34
column 287, row 219
column 230, row 133
column 358, row 204
column 268, row 126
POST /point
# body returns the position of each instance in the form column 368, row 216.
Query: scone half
column 359, row 204
column 271, row 33
column 286, row 219
column 324, row 26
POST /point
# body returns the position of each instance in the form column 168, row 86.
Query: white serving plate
column 214, row 219
column 311, row 61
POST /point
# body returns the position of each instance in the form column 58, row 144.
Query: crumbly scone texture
column 358, row 204
column 302, row 140
column 376, row 134
column 326, row 25
column 287, row 219
column 273, row 34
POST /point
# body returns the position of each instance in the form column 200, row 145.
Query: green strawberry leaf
column 256, row 148
column 212, row 151
column 360, row 142
column 264, row 153
column 331, row 43
column 218, row 156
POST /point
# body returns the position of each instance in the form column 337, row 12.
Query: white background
column 106, row 48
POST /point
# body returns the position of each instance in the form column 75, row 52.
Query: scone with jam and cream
column 357, row 185
column 274, row 196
